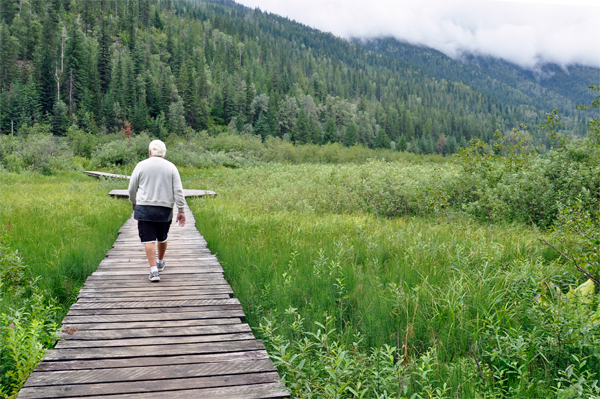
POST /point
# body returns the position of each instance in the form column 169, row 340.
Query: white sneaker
column 154, row 277
column 161, row 266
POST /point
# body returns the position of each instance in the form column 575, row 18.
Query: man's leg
column 151, row 253
column 162, row 248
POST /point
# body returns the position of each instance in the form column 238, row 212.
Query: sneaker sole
column 154, row 279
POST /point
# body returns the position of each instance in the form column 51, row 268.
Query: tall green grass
column 61, row 225
column 301, row 245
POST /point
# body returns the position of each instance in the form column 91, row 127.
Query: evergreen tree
column 177, row 116
column 76, row 73
column 104, row 58
column 262, row 128
column 451, row 145
column 401, row 145
column 8, row 52
column 351, row 135
column 45, row 67
column 59, row 118
column 7, row 10
column 330, row 134
column 426, row 145
column 301, row 132
column 157, row 20
column 229, row 106
column 382, row 140
column 314, row 130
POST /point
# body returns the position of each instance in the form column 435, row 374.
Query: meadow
column 353, row 304
column 369, row 274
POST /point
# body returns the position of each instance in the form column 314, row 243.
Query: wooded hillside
column 170, row 65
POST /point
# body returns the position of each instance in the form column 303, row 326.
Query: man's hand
column 181, row 219
column 133, row 207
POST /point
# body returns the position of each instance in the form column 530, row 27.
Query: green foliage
column 12, row 268
column 318, row 365
column 456, row 300
column 35, row 149
column 27, row 333
column 507, row 181
column 122, row 151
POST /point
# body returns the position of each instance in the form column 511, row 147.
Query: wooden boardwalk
column 180, row 338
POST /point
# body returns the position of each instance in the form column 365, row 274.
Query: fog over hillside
column 527, row 34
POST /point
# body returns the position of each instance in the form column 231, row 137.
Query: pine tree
column 330, row 135
column 8, row 47
column 104, row 58
column 7, row 10
column 301, row 133
column 44, row 65
column 382, row 140
column 314, row 130
column 401, row 145
column 451, row 145
column 157, row 21
column 351, row 135
column 75, row 71
column 229, row 106
column 262, row 127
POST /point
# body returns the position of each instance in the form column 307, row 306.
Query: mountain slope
column 171, row 66
column 546, row 88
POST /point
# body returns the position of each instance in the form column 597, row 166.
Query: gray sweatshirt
column 155, row 181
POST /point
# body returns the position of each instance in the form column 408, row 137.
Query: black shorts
column 153, row 231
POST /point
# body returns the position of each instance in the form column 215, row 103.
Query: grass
column 62, row 226
column 300, row 248
column 361, row 279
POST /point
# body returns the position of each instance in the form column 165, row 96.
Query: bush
column 35, row 149
column 122, row 151
column 27, row 332
column 523, row 187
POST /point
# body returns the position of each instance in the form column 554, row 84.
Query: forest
column 170, row 66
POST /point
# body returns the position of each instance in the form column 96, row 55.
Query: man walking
column 155, row 187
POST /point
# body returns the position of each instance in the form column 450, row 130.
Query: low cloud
column 526, row 34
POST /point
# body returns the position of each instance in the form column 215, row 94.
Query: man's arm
column 179, row 197
column 133, row 187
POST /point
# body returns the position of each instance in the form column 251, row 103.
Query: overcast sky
column 560, row 31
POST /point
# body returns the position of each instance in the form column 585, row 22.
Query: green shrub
column 27, row 333
column 35, row 149
column 122, row 151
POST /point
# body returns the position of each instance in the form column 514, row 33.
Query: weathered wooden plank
column 139, row 268
column 93, row 173
column 185, row 312
column 203, row 269
column 110, row 290
column 109, row 343
column 164, row 304
column 156, row 324
column 162, row 387
column 152, row 361
column 137, row 280
column 74, row 334
column 256, row 391
column 148, row 373
column 155, row 297
column 152, row 350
